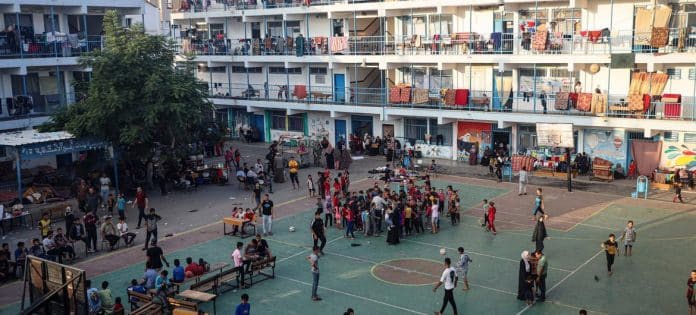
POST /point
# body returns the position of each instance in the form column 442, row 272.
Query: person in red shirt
column 348, row 216
column 337, row 185
column 491, row 217
column 141, row 202
column 336, row 208
column 327, row 188
column 192, row 269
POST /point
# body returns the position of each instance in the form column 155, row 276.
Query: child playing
column 118, row 306
column 310, row 186
column 110, row 204
column 121, row 206
column 337, row 212
column 485, row 212
column 611, row 248
column 348, row 217
column 491, row 217
column 628, row 236
column 677, row 193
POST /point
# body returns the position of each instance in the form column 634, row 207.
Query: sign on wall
column 59, row 147
column 555, row 135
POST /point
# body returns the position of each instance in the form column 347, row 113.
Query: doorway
column 339, row 88
column 340, row 133
column 259, row 126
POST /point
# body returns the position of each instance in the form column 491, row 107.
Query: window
column 440, row 79
column 674, row 74
column 567, row 21
column 205, row 69
column 671, row 136
column 692, row 74
column 296, row 123
column 241, row 69
column 317, row 71
column 278, row 120
column 415, row 128
column 690, row 138
column 281, row 70
column 51, row 24
column 444, row 131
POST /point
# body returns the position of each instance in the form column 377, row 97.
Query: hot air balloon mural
column 680, row 156
column 607, row 144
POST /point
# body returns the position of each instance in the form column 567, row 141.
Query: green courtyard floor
column 649, row 282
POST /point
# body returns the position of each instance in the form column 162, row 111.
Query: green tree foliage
column 137, row 99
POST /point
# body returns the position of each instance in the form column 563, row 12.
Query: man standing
column 318, row 231
column 151, row 227
column 690, row 297
column 542, row 268
column 267, row 215
column 463, row 267
column 293, row 170
column 93, row 201
column 239, row 263
column 91, row 222
column 314, row 262
column 155, row 257
column 523, row 181
column 142, row 203
column 449, row 278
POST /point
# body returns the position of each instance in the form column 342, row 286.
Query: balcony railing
column 585, row 43
column 617, row 105
column 194, row 6
column 41, row 105
column 42, row 46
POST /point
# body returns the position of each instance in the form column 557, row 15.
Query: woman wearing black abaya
column 329, row 154
column 525, row 270
column 392, row 231
column 539, row 234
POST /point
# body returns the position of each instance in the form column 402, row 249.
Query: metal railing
column 194, row 6
column 42, row 46
column 585, row 43
column 41, row 105
column 478, row 100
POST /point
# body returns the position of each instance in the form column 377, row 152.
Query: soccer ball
column 291, row 228
column 443, row 251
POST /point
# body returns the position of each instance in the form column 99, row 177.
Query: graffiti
column 435, row 151
column 318, row 128
column 679, row 156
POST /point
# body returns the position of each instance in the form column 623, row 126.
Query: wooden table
column 199, row 297
column 234, row 222
column 320, row 96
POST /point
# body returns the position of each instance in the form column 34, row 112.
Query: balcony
column 483, row 101
column 455, row 44
column 45, row 46
column 37, row 106
column 230, row 5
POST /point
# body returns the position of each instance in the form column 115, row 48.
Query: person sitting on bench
column 262, row 248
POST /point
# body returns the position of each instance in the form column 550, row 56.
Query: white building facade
column 458, row 72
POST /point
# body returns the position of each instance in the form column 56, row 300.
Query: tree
column 137, row 99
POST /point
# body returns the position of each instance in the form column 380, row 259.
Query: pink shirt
column 237, row 258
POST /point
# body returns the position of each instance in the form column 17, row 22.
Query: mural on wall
column 276, row 134
column 607, row 144
column 434, row 151
column 319, row 127
column 678, row 155
column 468, row 134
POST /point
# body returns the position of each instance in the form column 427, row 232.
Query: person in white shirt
column 523, row 181
column 449, row 279
column 435, row 216
column 238, row 261
column 122, row 228
column 105, row 186
column 258, row 167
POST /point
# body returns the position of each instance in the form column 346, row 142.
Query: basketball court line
column 476, row 253
column 565, row 278
column 295, row 245
column 554, row 218
column 354, row 296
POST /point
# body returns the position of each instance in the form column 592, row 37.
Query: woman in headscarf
column 525, row 271
column 539, row 234
column 329, row 154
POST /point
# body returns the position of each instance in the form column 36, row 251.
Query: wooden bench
column 150, row 308
column 206, row 285
column 226, row 277
column 187, row 305
column 257, row 269
column 138, row 300
column 240, row 224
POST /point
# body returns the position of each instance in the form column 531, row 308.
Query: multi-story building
column 456, row 73
column 40, row 45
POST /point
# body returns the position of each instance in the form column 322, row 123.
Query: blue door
column 340, row 88
column 258, row 125
column 340, row 130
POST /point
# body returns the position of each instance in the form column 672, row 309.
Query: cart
column 296, row 146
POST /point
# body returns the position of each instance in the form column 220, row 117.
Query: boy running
column 611, row 248
column 485, row 212
column 463, row 267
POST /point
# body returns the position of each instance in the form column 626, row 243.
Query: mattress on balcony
column 539, row 41
column 584, row 102
column 659, row 37
column 561, row 101
column 635, row 102
column 420, row 96
column 450, row 96
column 395, row 95
column 461, row 97
column 405, row 94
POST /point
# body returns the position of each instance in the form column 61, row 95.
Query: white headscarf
column 525, row 258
